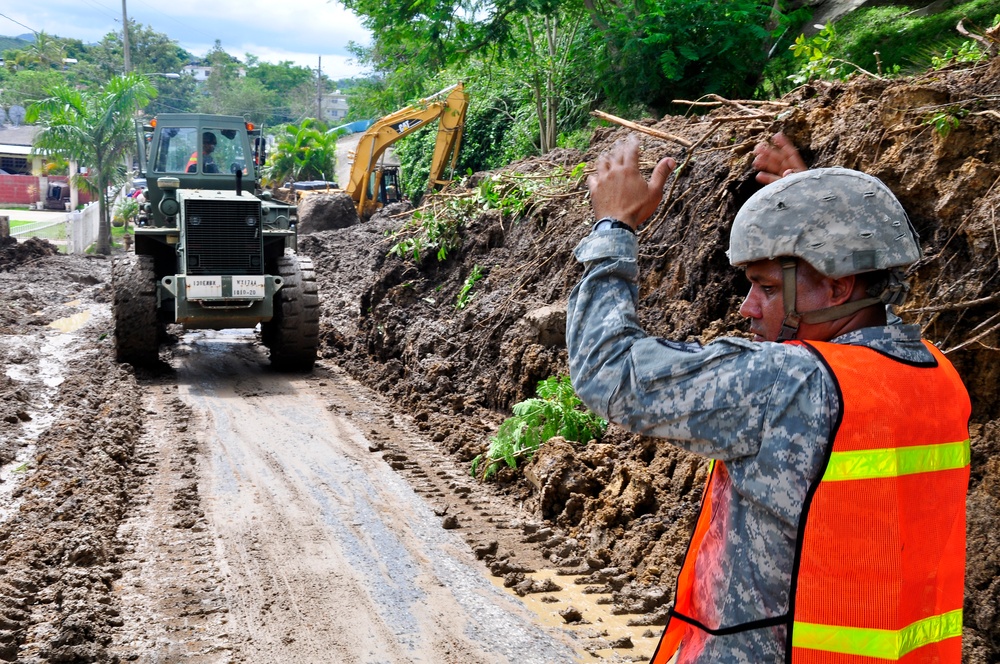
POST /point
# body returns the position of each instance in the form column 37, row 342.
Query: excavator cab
column 385, row 183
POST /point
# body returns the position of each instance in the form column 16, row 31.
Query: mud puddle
column 52, row 351
column 602, row 635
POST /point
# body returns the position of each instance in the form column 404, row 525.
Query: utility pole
column 319, row 88
column 128, row 61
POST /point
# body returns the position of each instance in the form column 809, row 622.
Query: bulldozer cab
column 206, row 151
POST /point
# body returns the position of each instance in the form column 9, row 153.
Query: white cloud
column 296, row 30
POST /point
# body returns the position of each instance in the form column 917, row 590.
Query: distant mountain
column 14, row 43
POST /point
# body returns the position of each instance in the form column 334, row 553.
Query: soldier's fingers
column 764, row 177
column 661, row 172
column 627, row 150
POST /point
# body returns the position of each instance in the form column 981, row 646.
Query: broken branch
column 655, row 133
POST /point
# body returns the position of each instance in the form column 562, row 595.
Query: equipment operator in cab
column 208, row 142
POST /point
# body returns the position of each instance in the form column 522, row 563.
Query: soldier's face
column 764, row 304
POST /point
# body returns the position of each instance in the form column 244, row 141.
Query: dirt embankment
column 630, row 500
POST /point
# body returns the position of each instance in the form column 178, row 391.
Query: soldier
column 833, row 523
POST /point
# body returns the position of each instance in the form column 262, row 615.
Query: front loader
column 210, row 251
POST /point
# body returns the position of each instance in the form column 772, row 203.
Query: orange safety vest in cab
column 880, row 562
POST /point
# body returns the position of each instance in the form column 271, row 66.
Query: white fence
column 45, row 229
column 80, row 229
column 84, row 226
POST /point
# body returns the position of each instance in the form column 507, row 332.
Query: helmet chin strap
column 790, row 324
column 893, row 293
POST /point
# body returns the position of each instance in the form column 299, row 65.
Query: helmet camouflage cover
column 839, row 220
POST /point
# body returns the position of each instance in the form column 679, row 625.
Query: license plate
column 248, row 287
column 202, row 287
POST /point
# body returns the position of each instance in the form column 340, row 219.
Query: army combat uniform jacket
column 767, row 409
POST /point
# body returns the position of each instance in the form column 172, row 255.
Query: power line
column 187, row 25
column 99, row 8
column 19, row 23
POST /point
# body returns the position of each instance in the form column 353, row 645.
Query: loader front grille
column 220, row 240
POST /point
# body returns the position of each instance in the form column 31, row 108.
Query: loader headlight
column 169, row 206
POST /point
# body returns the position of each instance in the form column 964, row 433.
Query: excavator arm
column 447, row 106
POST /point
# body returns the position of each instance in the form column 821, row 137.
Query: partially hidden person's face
column 764, row 305
column 208, row 147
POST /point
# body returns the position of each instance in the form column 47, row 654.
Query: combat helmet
column 841, row 222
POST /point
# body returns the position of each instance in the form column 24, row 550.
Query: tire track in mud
column 327, row 553
column 170, row 592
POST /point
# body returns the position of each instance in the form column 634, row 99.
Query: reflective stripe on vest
column 880, row 643
column 893, row 462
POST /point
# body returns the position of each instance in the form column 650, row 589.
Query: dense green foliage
column 263, row 92
column 907, row 39
column 556, row 411
column 883, row 40
column 536, row 90
column 303, row 152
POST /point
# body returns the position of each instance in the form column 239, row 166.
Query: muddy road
column 325, row 552
column 214, row 510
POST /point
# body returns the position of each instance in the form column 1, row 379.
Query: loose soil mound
column 14, row 253
column 394, row 323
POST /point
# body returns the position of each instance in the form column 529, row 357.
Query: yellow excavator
column 372, row 184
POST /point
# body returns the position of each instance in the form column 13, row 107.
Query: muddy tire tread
column 137, row 333
column 292, row 335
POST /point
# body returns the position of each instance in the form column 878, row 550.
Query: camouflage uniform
column 767, row 409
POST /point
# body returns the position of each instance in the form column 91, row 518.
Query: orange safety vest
column 192, row 161
column 880, row 561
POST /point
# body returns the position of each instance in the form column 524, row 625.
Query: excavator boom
column 447, row 107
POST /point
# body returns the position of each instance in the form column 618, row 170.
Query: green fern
column 556, row 411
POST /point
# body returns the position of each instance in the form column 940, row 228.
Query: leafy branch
column 556, row 411
column 465, row 295
column 814, row 54
column 437, row 226
column 516, row 194
column 433, row 228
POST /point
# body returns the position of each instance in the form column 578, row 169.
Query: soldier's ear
column 842, row 289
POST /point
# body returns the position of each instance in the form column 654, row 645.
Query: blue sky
column 274, row 30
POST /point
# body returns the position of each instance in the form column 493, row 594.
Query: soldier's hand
column 777, row 158
column 617, row 188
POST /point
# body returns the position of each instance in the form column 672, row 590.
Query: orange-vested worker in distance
column 208, row 165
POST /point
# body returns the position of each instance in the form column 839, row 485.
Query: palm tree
column 304, row 152
column 45, row 52
column 95, row 128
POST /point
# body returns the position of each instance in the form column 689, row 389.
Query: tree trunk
column 104, row 229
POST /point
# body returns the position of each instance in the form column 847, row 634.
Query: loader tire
column 292, row 334
column 137, row 326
